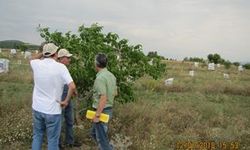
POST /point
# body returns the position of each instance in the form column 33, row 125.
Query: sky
column 174, row 28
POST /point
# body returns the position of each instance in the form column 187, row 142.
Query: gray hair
column 101, row 60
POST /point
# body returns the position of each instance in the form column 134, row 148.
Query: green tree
column 227, row 64
column 185, row 59
column 216, row 58
column 210, row 57
column 246, row 66
column 126, row 61
column 196, row 59
column 23, row 47
column 222, row 61
column 236, row 63
column 152, row 54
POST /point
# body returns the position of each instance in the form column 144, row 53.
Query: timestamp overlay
column 207, row 145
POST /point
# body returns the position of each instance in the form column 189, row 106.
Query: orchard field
column 202, row 111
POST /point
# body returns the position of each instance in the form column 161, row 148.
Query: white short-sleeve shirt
column 49, row 79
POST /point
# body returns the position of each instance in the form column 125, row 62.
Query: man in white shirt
column 49, row 79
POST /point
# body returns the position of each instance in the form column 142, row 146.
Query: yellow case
column 103, row 117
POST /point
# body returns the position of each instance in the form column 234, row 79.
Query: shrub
column 127, row 62
column 247, row 66
column 227, row 64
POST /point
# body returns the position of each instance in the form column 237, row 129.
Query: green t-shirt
column 105, row 84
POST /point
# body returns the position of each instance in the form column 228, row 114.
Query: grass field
column 203, row 111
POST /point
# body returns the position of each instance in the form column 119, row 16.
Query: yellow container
column 103, row 117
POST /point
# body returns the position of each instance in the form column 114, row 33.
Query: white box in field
column 169, row 81
column 211, row 66
column 240, row 68
column 191, row 73
column 4, row 65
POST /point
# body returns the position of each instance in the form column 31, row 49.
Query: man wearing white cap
column 49, row 79
column 67, row 113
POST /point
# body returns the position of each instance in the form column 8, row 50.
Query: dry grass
column 159, row 121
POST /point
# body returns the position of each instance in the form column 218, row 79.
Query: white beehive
column 4, row 65
column 191, row 73
column 169, row 81
column 27, row 54
column 13, row 51
column 196, row 64
column 240, row 68
column 211, row 66
column 226, row 76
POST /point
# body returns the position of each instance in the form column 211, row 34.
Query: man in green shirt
column 104, row 92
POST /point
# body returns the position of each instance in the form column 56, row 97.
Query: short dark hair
column 101, row 60
column 49, row 55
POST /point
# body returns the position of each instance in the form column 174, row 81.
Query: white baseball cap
column 49, row 49
column 64, row 52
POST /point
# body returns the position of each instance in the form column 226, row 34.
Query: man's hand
column 64, row 104
column 37, row 56
column 101, row 105
column 75, row 93
column 96, row 119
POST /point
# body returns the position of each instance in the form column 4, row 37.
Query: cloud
column 175, row 28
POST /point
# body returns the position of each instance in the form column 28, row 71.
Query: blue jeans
column 49, row 123
column 67, row 123
column 99, row 132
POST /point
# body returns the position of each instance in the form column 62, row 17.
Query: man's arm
column 116, row 92
column 71, row 90
column 101, row 105
column 34, row 57
column 37, row 56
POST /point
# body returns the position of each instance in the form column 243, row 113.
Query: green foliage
column 127, row 62
column 32, row 46
column 236, row 63
column 215, row 58
column 153, row 54
column 222, row 61
column 227, row 64
column 247, row 66
column 186, row 59
column 23, row 47
column 194, row 59
column 210, row 57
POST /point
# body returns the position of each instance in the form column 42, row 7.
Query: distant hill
column 16, row 44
